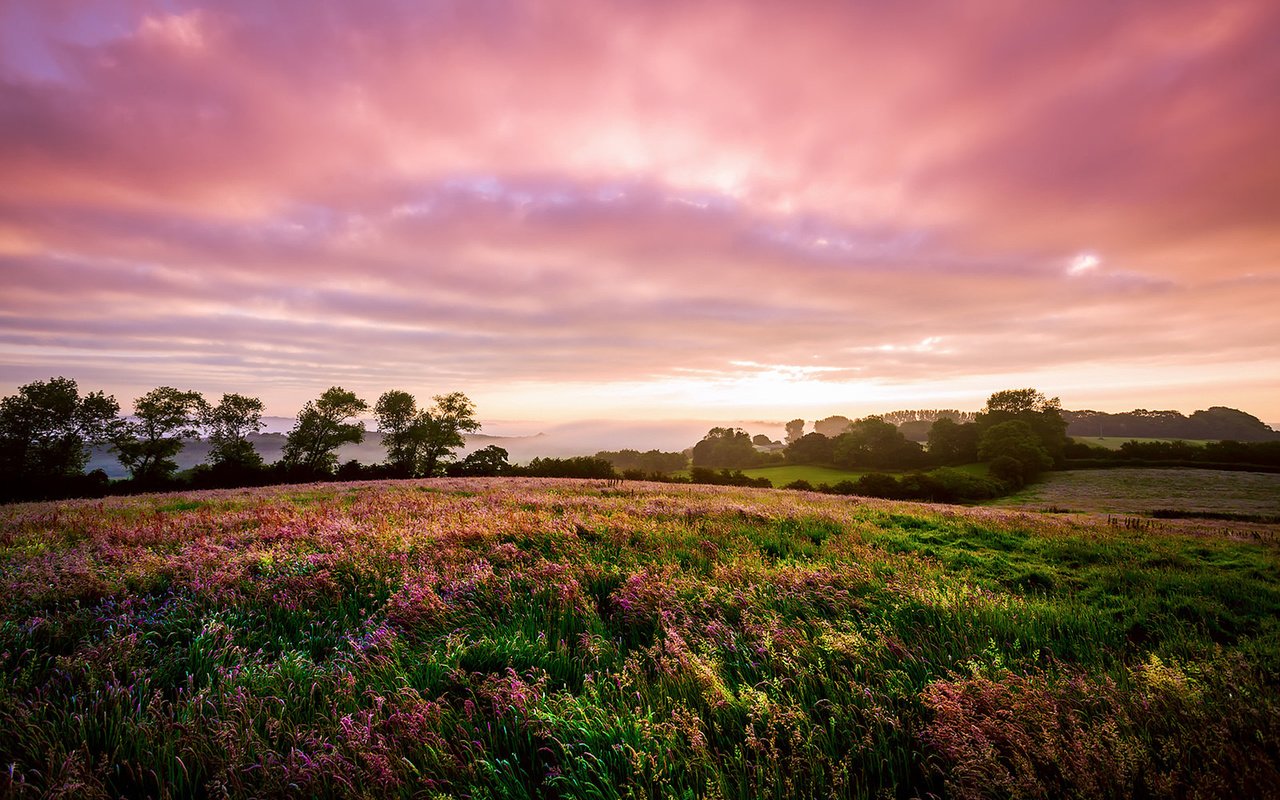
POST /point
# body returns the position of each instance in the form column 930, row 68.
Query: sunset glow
column 645, row 210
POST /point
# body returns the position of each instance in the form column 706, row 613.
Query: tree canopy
column 725, row 448
column 872, row 442
column 47, row 428
column 1043, row 414
column 162, row 419
column 832, row 426
column 795, row 429
column 1018, row 448
column 228, row 426
column 951, row 442
column 812, row 448
column 420, row 442
column 324, row 425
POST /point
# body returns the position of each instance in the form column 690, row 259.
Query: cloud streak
column 601, row 202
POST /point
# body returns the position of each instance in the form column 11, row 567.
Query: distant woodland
column 1212, row 424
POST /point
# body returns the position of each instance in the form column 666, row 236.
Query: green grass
column 1140, row 491
column 786, row 473
column 1114, row 442
column 540, row 638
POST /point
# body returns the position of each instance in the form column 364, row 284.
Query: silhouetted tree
column 832, row 426
column 812, row 448
column 1017, row 440
column 488, row 460
column 323, row 426
column 419, row 442
column 1043, row 414
column 650, row 461
column 872, row 442
column 795, row 429
column 575, row 467
column 725, row 448
column 228, row 426
column 953, row 443
column 451, row 416
column 46, row 430
column 163, row 418
column 397, row 413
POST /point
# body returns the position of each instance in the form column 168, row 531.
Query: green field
column 526, row 638
column 1144, row 490
column 786, row 473
column 1114, row 442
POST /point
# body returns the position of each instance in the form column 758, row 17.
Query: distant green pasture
column 786, row 473
column 1114, row 442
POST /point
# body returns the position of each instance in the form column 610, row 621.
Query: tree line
column 1020, row 432
column 48, row 428
column 1217, row 423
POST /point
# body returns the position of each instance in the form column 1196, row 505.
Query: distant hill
column 1216, row 423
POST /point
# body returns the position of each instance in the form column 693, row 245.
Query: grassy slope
column 551, row 638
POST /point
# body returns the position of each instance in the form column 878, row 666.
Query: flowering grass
column 536, row 638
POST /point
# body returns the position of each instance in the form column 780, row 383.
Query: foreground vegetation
column 521, row 637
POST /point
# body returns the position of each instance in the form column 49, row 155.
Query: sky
column 641, row 209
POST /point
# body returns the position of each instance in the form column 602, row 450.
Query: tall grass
column 532, row 638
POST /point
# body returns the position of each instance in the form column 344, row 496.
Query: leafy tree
column 877, row 484
column 760, row 440
column 832, row 426
column 46, row 430
column 323, row 426
column 574, row 467
column 451, row 416
column 162, row 419
column 1043, row 414
column 488, row 460
column 1020, row 401
column 397, row 413
column 795, row 429
column 1016, row 440
column 917, row 430
column 812, row 448
column 725, row 448
column 419, row 442
column 228, row 426
column 872, row 442
column 1009, row 470
column 953, row 443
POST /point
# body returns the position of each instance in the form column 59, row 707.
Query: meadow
column 1142, row 491
column 490, row 638
column 783, row 474
column 1114, row 442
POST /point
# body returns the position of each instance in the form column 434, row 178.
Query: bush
column 1010, row 471
column 878, row 484
column 960, row 485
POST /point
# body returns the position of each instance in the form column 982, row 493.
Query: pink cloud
column 481, row 193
